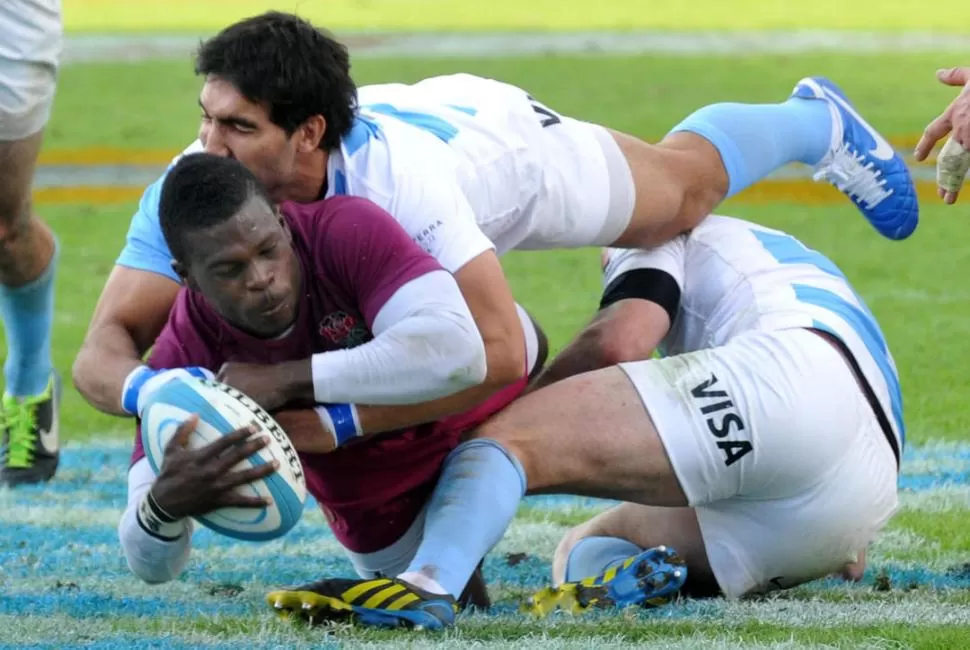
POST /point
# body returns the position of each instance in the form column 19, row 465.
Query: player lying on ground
column 334, row 292
column 764, row 447
column 953, row 161
column 471, row 168
column 29, row 49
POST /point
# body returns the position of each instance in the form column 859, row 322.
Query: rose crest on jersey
column 343, row 330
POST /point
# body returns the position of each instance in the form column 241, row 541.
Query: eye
column 269, row 250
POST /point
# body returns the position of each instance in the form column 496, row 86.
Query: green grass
column 541, row 15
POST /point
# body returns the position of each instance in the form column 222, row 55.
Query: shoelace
column 20, row 423
column 847, row 171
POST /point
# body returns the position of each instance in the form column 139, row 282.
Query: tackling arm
column 128, row 318
column 640, row 302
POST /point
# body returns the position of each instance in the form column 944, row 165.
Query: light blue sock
column 756, row 139
column 591, row 556
column 28, row 314
column 473, row 504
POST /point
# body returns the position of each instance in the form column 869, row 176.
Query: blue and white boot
column 651, row 579
column 863, row 165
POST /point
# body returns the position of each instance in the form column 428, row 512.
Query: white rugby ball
column 222, row 409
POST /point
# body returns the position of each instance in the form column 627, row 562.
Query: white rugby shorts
column 778, row 451
column 31, row 37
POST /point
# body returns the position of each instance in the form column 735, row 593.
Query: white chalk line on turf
column 133, row 48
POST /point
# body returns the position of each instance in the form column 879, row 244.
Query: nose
column 212, row 141
column 261, row 277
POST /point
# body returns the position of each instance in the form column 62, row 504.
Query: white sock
column 423, row 582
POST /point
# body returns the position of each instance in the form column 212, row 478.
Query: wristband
column 341, row 420
column 132, row 386
column 156, row 522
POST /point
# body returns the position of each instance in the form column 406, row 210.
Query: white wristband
column 156, row 522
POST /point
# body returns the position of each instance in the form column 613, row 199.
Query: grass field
column 63, row 582
column 541, row 15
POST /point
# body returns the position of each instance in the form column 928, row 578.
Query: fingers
column 182, row 433
column 235, row 500
column 218, row 447
column 242, row 477
column 238, row 454
column 934, row 131
column 952, row 166
column 958, row 76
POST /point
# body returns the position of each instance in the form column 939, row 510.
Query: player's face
column 247, row 270
column 235, row 127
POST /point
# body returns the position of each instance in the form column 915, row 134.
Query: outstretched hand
column 194, row 482
column 954, row 159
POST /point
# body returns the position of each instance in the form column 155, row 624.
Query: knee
column 15, row 210
column 516, row 447
column 560, row 559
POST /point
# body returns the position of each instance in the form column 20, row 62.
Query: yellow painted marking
column 770, row 191
column 108, row 156
column 124, row 156
column 402, row 602
column 359, row 590
column 87, row 195
column 383, row 595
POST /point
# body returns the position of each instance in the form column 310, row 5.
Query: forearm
column 104, row 361
column 157, row 556
column 426, row 347
column 582, row 355
column 308, row 432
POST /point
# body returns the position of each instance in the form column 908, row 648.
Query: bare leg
column 26, row 244
column 29, row 452
column 588, row 435
column 677, row 182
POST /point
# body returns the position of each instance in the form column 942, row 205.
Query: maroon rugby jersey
column 354, row 257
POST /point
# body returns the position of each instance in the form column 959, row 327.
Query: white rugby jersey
column 447, row 157
column 735, row 277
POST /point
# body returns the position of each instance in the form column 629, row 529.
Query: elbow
column 469, row 367
column 80, row 374
column 150, row 576
column 605, row 348
column 505, row 360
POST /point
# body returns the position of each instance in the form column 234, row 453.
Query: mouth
column 273, row 307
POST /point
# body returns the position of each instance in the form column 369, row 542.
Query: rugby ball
column 222, row 409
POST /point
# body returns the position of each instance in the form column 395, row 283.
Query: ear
column 183, row 273
column 283, row 224
column 310, row 134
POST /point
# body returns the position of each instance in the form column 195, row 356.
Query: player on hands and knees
column 29, row 51
column 471, row 168
column 764, row 447
column 365, row 334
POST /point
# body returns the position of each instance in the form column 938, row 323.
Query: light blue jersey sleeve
column 145, row 248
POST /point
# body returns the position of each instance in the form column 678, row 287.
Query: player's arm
column 433, row 210
column 156, row 530
column 131, row 312
column 640, row 301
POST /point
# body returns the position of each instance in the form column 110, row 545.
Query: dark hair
column 297, row 70
column 200, row 191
